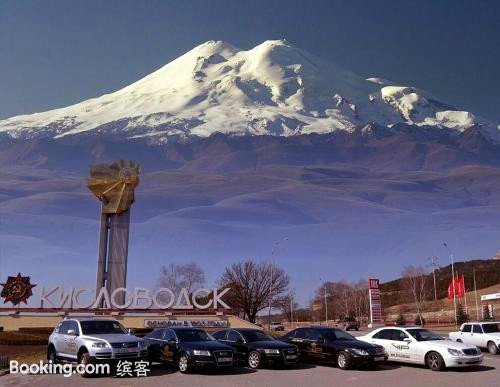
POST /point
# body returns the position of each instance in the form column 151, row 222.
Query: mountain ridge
column 274, row 88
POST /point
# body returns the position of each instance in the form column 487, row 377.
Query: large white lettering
column 140, row 298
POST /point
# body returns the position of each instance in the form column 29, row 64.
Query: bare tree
column 251, row 285
column 343, row 299
column 287, row 305
column 177, row 276
column 414, row 282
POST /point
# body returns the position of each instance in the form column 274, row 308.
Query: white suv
column 89, row 340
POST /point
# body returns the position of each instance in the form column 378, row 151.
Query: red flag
column 460, row 286
column 459, row 283
column 450, row 290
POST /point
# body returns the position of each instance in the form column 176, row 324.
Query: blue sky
column 55, row 53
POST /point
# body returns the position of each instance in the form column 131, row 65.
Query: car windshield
column 193, row 335
column 251, row 336
column 336, row 334
column 424, row 335
column 101, row 327
column 491, row 328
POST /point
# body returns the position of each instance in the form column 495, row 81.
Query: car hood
column 270, row 344
column 447, row 344
column 114, row 338
column 209, row 345
column 352, row 344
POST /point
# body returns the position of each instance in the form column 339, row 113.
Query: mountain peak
column 274, row 88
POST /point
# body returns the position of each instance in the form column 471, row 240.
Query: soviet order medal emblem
column 17, row 289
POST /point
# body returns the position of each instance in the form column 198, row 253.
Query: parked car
column 421, row 346
column 188, row 349
column 348, row 323
column 335, row 346
column 90, row 340
column 255, row 348
column 276, row 326
column 481, row 334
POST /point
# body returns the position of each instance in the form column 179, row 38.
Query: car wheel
column 51, row 355
column 492, row 348
column 83, row 360
column 343, row 361
column 184, row 364
column 434, row 361
column 254, row 359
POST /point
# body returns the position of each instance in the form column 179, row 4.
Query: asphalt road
column 390, row 374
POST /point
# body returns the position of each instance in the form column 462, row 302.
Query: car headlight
column 201, row 352
column 271, row 351
column 455, row 352
column 99, row 344
column 360, row 352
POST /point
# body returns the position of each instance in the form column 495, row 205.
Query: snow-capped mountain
column 272, row 89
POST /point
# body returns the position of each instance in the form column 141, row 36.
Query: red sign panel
column 373, row 283
column 375, row 304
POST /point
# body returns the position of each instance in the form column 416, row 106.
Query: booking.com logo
column 66, row 370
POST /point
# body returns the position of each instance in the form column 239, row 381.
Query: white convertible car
column 421, row 346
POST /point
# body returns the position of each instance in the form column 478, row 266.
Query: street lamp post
column 273, row 251
column 326, row 308
column 453, row 283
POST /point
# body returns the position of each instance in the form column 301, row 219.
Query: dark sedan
column 188, row 348
column 335, row 346
column 256, row 349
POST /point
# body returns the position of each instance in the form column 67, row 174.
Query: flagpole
column 453, row 282
column 475, row 292
column 465, row 295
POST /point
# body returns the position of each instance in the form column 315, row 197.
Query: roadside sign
column 375, row 304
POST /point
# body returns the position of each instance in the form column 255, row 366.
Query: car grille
column 290, row 351
column 132, row 344
column 221, row 354
column 471, row 351
column 375, row 351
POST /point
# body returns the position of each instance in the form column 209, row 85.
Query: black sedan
column 335, row 346
column 255, row 348
column 188, row 348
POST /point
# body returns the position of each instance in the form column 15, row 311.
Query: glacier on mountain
column 271, row 89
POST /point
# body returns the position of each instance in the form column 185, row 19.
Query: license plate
column 379, row 358
column 224, row 359
column 291, row 357
column 126, row 350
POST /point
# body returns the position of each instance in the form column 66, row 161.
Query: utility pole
column 433, row 260
column 475, row 293
column 453, row 282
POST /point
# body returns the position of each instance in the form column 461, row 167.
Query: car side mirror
column 172, row 341
column 321, row 340
column 72, row 332
column 239, row 341
column 407, row 340
column 130, row 331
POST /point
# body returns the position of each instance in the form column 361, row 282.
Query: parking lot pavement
column 391, row 374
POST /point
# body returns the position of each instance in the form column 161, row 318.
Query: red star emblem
column 17, row 289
